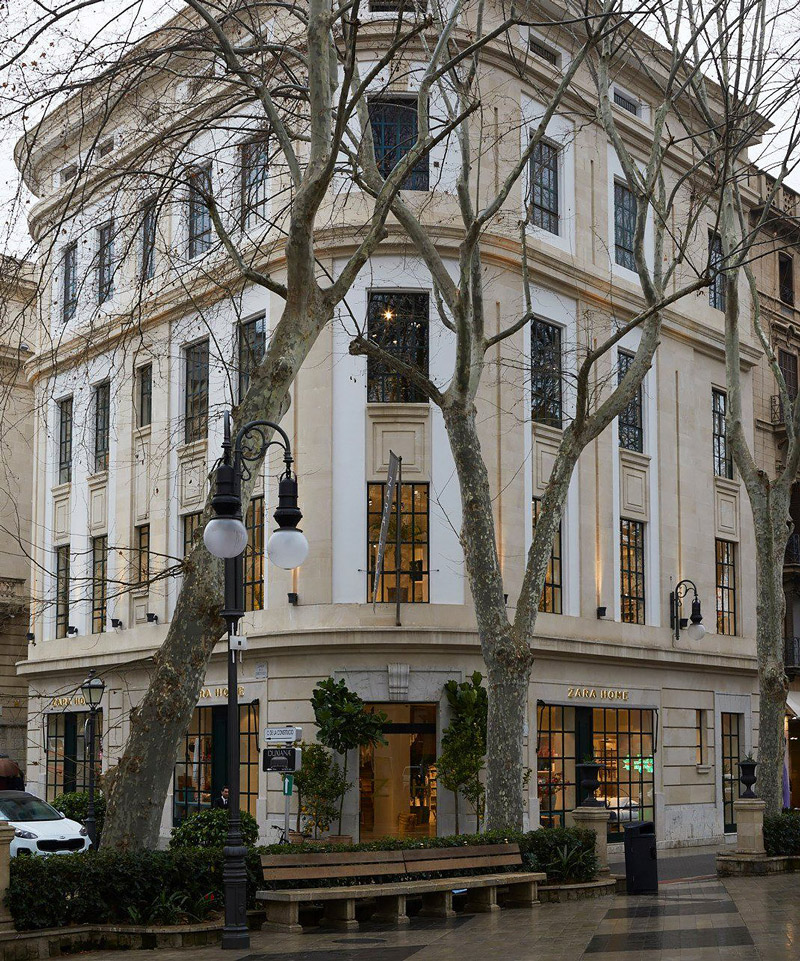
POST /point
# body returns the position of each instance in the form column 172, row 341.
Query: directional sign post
column 288, row 786
column 283, row 735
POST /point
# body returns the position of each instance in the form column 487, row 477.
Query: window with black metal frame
column 394, row 133
column 99, row 583
column 414, row 545
column 630, row 424
column 632, row 571
column 398, row 323
column 550, row 601
column 546, row 373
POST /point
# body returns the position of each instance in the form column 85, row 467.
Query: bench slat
column 462, row 864
column 331, row 857
column 335, row 871
column 431, row 854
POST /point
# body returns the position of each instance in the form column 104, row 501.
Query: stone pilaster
column 595, row 819
column 749, row 814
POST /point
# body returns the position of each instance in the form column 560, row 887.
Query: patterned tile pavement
column 694, row 920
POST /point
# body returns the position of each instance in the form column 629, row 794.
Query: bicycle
column 283, row 839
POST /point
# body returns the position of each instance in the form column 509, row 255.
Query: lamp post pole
column 93, row 688
column 225, row 536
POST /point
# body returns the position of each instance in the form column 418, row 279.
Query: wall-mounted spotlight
column 30, row 636
column 72, row 631
column 601, row 613
column 294, row 598
column 117, row 624
column 152, row 618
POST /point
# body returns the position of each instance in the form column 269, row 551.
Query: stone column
column 749, row 814
column 595, row 819
column 6, row 834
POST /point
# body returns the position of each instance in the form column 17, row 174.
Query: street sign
column 281, row 759
column 282, row 735
column 288, row 785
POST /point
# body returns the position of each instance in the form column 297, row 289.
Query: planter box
column 755, row 865
column 560, row 893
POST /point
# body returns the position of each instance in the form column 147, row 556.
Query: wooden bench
column 393, row 873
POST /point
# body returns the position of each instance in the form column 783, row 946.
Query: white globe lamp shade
column 696, row 632
column 225, row 536
column 287, row 548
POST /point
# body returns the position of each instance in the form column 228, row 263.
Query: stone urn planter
column 339, row 839
column 590, row 782
column 747, row 776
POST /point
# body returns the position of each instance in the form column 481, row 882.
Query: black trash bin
column 641, row 864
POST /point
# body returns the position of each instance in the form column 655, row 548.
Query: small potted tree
column 343, row 724
column 747, row 774
column 320, row 784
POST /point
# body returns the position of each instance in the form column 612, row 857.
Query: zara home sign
column 597, row 693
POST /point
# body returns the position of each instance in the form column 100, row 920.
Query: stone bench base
column 339, row 903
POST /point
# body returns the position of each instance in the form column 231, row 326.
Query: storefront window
column 397, row 780
column 67, row 752
column 621, row 739
column 201, row 771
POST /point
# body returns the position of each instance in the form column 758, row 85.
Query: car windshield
column 27, row 809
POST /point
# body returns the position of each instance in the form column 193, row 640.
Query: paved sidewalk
column 756, row 919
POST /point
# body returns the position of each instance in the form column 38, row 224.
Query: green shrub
column 75, row 805
column 782, row 833
column 112, row 887
column 209, row 829
column 564, row 854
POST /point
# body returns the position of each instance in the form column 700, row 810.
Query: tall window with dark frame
column 67, row 753
column 732, row 738
column 105, row 261
column 631, row 421
column 62, row 590
column 716, row 290
column 148, row 234
column 191, row 529
column 544, row 187
column 65, row 440
column 196, row 392
column 102, row 419
column 394, row 133
column 414, row 545
column 786, row 279
column 199, row 213
column 252, row 345
column 398, row 323
column 723, row 461
column 787, row 362
column 624, row 226
column 144, row 395
column 550, row 600
column 142, row 554
column 631, row 568
column 700, row 737
column 70, row 281
column 99, row 583
column 254, row 556
column 546, row 373
column 255, row 182
column 726, row 586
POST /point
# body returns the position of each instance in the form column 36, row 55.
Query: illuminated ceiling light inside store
column 388, row 314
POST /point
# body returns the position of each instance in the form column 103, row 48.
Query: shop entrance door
column 397, row 780
column 621, row 739
column 731, row 755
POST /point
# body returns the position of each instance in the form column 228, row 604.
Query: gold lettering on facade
column 593, row 694
column 78, row 700
column 207, row 692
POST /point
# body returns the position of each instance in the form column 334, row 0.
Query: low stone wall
column 560, row 893
column 737, row 864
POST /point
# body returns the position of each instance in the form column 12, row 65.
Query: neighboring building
column 17, row 344
column 128, row 428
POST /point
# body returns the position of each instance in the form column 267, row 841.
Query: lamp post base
column 235, row 934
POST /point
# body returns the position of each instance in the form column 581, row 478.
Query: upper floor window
column 394, row 133
column 786, row 279
column 144, row 395
column 543, row 51
column 255, row 181
column 546, row 399
column 252, row 345
column 414, row 545
column 398, row 323
column 627, row 102
column 550, row 600
column 191, row 530
column 148, row 228
column 62, row 590
column 624, row 226
column 398, row 6
column 631, row 567
column 199, row 213
column 105, row 262
column 196, row 392
column 726, row 586
column 102, row 419
column 631, row 420
column 142, row 554
column 65, row 440
column 70, row 281
column 716, row 292
column 99, row 583
column 544, row 187
column 787, row 362
column 254, row 556
column 723, row 463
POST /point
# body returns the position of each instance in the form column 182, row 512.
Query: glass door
column 731, row 748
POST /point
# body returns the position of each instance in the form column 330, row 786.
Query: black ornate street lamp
column 695, row 628
column 225, row 536
column 93, row 689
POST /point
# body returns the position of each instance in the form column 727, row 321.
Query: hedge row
column 185, row 884
column 782, row 833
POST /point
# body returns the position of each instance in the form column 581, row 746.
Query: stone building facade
column 127, row 429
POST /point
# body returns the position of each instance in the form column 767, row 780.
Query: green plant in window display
column 343, row 723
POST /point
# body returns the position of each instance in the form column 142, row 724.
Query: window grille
column 65, row 441
column 726, row 586
column 397, row 322
column 550, row 600
column 624, row 226
column 632, row 583
column 199, row 213
column 544, row 187
column 631, row 420
column 546, row 373
column 105, row 262
column 196, row 392
column 102, row 417
column 394, row 133
column 99, row 583
column 414, row 545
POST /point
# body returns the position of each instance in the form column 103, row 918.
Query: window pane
column 723, row 462
column 142, row 558
column 624, row 226
column 199, row 215
column 413, row 576
column 144, row 395
column 99, row 589
column 252, row 345
column 632, row 571
column 786, row 279
column 716, row 292
column 544, row 187
column 70, row 286
column 149, row 222
column 398, row 323
column 630, row 423
column 196, row 400
column 394, row 133
column 254, row 556
column 62, row 590
column 191, row 526
column 726, row 586
column 105, row 262
column 255, row 179
column 102, row 414
column 551, row 593
column 65, row 441
column 546, row 399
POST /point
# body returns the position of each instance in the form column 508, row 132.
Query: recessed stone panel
column 61, row 516
column 98, row 508
column 193, row 481
column 726, row 512
column 141, row 480
column 404, row 429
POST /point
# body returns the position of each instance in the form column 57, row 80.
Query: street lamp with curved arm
column 695, row 629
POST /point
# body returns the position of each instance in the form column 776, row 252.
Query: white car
column 38, row 827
